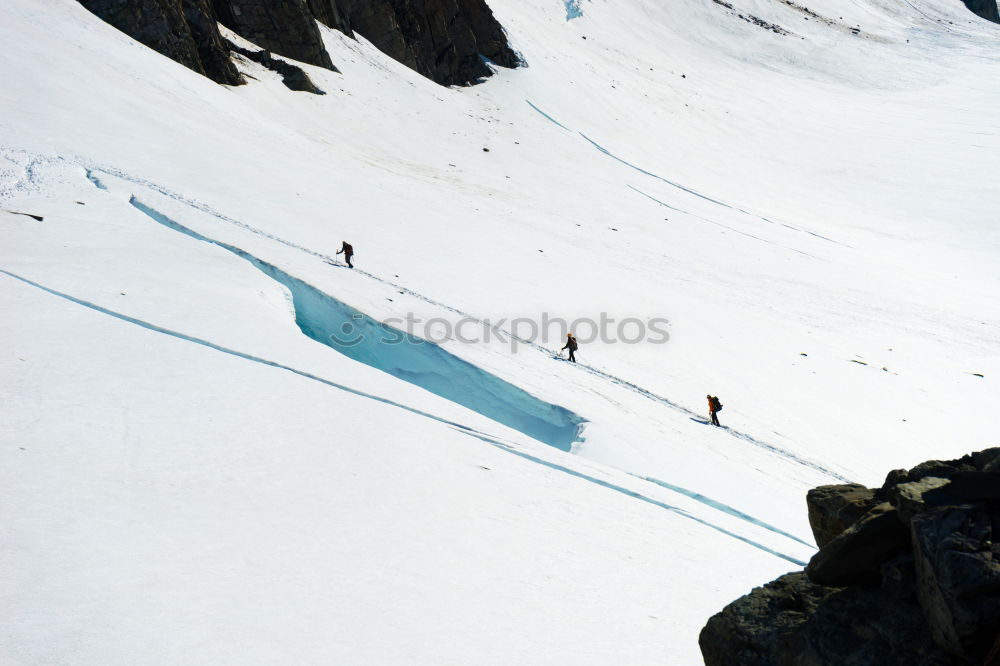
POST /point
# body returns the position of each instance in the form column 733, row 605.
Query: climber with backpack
column 348, row 251
column 571, row 346
column 714, row 407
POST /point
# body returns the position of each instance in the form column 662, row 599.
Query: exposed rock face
column 914, row 580
column 330, row 13
column 445, row 40
column 984, row 8
column 858, row 553
column 183, row 30
column 287, row 27
column 958, row 575
column 293, row 77
column 832, row 509
column 792, row 621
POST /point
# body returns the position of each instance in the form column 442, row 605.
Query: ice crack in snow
column 412, row 359
column 788, row 455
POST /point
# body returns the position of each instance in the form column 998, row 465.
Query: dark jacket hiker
column 571, row 346
column 348, row 251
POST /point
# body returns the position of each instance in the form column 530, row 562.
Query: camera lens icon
column 349, row 334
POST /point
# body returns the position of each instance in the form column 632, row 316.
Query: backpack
column 717, row 404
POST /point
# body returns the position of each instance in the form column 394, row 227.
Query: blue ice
column 412, row 359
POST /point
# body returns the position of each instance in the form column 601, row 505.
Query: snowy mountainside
column 189, row 476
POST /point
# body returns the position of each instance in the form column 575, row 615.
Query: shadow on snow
column 407, row 357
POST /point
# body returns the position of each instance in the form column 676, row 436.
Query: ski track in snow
column 122, row 175
column 724, row 508
column 493, row 441
column 547, row 116
column 693, row 192
column 232, row 352
column 91, row 171
column 710, row 221
column 329, row 321
column 663, row 505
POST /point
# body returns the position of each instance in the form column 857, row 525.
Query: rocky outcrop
column 448, row 41
column 794, row 621
column 858, row 553
column 958, row 575
column 183, row 30
column 914, row 580
column 286, row 27
column 832, row 509
column 986, row 9
column 293, row 77
column 331, row 14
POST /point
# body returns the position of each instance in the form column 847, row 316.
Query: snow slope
column 189, row 475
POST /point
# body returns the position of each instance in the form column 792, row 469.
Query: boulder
column 912, row 497
column 916, row 497
column 974, row 487
column 856, row 556
column 794, row 622
column 832, row 509
column 915, row 580
column 972, row 462
column 957, row 558
column 943, row 469
column 987, row 459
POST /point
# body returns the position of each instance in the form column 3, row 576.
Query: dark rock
column 944, row 469
column 330, row 13
column 183, row 30
column 986, row 9
column 899, row 579
column 993, row 658
column 794, row 622
column 917, row 497
column 922, row 580
column 957, row 558
column 940, row 468
column 37, row 218
column 986, row 458
column 912, row 497
column 966, row 487
column 203, row 22
column 893, row 478
column 293, row 77
column 287, row 27
column 832, row 509
column 857, row 555
column 447, row 41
